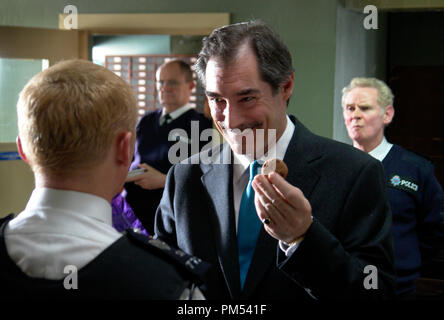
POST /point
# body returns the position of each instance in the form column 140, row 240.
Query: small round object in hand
column 275, row 165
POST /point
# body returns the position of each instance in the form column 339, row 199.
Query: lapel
column 217, row 179
column 301, row 152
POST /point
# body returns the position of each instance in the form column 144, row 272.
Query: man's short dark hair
column 274, row 59
column 185, row 68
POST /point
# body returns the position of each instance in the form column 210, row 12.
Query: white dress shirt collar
column 381, row 151
column 178, row 112
column 70, row 201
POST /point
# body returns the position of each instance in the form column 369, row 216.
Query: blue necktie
column 248, row 226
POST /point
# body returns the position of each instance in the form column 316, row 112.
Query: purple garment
column 124, row 217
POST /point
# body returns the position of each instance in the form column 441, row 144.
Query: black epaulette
column 4, row 221
column 193, row 265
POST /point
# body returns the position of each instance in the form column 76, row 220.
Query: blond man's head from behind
column 70, row 114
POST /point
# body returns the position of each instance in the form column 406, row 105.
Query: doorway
column 416, row 76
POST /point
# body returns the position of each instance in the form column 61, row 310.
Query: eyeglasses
column 170, row 83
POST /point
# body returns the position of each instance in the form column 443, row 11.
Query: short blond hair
column 69, row 114
column 385, row 95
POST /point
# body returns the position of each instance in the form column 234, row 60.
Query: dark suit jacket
column 351, row 225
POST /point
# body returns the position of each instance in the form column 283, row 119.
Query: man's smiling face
column 240, row 100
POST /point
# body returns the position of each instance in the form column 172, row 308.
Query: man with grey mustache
column 319, row 233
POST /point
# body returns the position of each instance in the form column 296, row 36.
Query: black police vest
column 133, row 267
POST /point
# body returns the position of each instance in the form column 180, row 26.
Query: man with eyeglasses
column 174, row 83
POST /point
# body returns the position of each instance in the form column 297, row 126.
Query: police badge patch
column 407, row 184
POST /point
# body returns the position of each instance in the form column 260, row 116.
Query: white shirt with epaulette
column 60, row 228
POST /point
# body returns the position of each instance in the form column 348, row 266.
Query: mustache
column 240, row 128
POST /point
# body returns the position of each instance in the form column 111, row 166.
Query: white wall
column 359, row 53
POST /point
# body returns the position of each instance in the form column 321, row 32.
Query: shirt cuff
column 288, row 250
